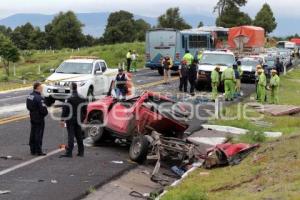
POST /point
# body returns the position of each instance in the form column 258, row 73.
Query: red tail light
column 177, row 56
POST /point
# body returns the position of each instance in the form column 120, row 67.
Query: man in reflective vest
column 274, row 85
column 215, row 81
column 261, row 86
column 228, row 77
column 128, row 59
column 200, row 55
column 188, row 57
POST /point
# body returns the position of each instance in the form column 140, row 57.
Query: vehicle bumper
column 61, row 93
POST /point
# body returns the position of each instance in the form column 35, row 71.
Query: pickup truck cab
column 91, row 74
column 210, row 60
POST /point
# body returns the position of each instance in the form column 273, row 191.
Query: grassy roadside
column 28, row 67
column 270, row 173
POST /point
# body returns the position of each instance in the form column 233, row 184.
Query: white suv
column 92, row 76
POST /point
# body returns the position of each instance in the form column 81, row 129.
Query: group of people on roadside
column 188, row 70
column 132, row 59
column 262, row 86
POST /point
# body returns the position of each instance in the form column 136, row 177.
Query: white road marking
column 8, row 98
column 213, row 141
column 12, row 108
column 29, row 162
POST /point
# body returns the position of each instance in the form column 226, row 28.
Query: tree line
column 66, row 31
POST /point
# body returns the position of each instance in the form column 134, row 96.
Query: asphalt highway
column 51, row 177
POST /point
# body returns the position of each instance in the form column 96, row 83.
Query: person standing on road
column 279, row 66
column 167, row 64
column 238, row 76
column 261, row 86
column 128, row 59
column 38, row 111
column 228, row 76
column 274, row 85
column 121, row 85
column 183, row 74
column 73, row 114
column 192, row 75
column 188, row 57
column 215, row 82
column 199, row 56
column 134, row 57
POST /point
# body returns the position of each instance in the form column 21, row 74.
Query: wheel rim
column 94, row 132
column 137, row 148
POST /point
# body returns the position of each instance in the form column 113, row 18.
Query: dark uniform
column 184, row 77
column 192, row 76
column 279, row 67
column 38, row 111
column 73, row 122
column 121, row 85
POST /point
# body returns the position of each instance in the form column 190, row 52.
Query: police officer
column 188, row 57
column 279, row 66
column 129, row 60
column 183, row 74
column 73, row 114
column 38, row 111
column 192, row 75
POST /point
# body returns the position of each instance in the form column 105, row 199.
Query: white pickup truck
column 209, row 61
column 91, row 74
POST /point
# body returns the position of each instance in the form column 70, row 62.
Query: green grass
column 270, row 173
column 28, row 66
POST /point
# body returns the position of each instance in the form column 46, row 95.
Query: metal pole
column 39, row 69
column 284, row 71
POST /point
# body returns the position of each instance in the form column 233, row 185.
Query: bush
column 4, row 78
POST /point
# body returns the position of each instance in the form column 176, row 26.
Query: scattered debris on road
column 277, row 110
column 54, row 181
column 117, row 162
column 4, row 192
column 10, row 158
column 227, row 129
column 227, row 154
column 273, row 134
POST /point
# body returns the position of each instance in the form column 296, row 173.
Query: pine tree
column 266, row 19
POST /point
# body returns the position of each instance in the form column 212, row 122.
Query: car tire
column 161, row 71
column 49, row 101
column 95, row 131
column 90, row 94
column 139, row 149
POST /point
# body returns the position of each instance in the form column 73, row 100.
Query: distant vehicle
column 134, row 120
column 91, row 74
column 286, row 45
column 296, row 41
column 210, row 60
column 249, row 68
column 270, row 64
column 163, row 42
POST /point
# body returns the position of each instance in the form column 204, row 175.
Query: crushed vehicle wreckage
column 155, row 126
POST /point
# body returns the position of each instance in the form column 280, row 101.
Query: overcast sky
column 281, row 8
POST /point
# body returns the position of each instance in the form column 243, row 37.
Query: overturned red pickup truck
column 134, row 120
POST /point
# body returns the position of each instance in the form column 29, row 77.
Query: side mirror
column 52, row 70
column 98, row 72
